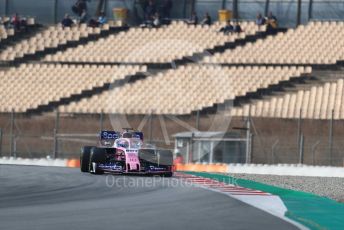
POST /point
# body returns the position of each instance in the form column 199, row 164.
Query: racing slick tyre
column 165, row 157
column 97, row 156
column 85, row 158
column 147, row 157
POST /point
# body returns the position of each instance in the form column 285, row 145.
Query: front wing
column 148, row 169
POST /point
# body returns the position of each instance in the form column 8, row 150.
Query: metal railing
column 272, row 140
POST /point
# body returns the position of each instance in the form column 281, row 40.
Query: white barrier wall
column 34, row 162
column 287, row 170
column 280, row 169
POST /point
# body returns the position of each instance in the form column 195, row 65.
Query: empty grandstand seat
column 315, row 43
column 51, row 37
column 152, row 45
column 185, row 89
column 31, row 85
column 317, row 102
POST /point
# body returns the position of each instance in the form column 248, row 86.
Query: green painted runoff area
column 310, row 210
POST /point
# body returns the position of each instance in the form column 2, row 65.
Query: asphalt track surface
column 64, row 198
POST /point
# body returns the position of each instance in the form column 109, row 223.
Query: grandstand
column 85, row 62
column 153, row 45
column 50, row 37
column 318, row 102
column 185, row 89
column 290, row 74
column 33, row 85
column 318, row 42
column 10, row 36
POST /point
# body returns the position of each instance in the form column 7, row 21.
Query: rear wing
column 109, row 135
column 107, row 138
column 133, row 134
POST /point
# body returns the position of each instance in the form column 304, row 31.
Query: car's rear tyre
column 165, row 157
column 148, row 156
column 97, row 156
column 85, row 158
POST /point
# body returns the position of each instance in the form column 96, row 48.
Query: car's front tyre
column 85, row 158
column 97, row 157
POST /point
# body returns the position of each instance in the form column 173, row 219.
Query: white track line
column 267, row 202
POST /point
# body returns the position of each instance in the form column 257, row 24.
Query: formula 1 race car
column 124, row 152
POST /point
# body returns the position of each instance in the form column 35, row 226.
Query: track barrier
column 279, row 169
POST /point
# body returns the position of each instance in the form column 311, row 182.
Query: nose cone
column 133, row 157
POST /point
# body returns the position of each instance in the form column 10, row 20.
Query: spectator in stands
column 83, row 17
column 150, row 10
column 228, row 28
column 193, row 19
column 166, row 8
column 260, row 20
column 271, row 24
column 206, row 20
column 93, row 23
column 67, row 21
column 237, row 27
column 15, row 21
column 156, row 20
column 102, row 19
column 272, row 20
column 23, row 23
column 83, row 6
column 79, row 7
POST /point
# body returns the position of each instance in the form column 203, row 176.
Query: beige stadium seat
column 33, row 85
column 316, row 43
column 150, row 45
column 43, row 40
column 186, row 89
column 317, row 102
